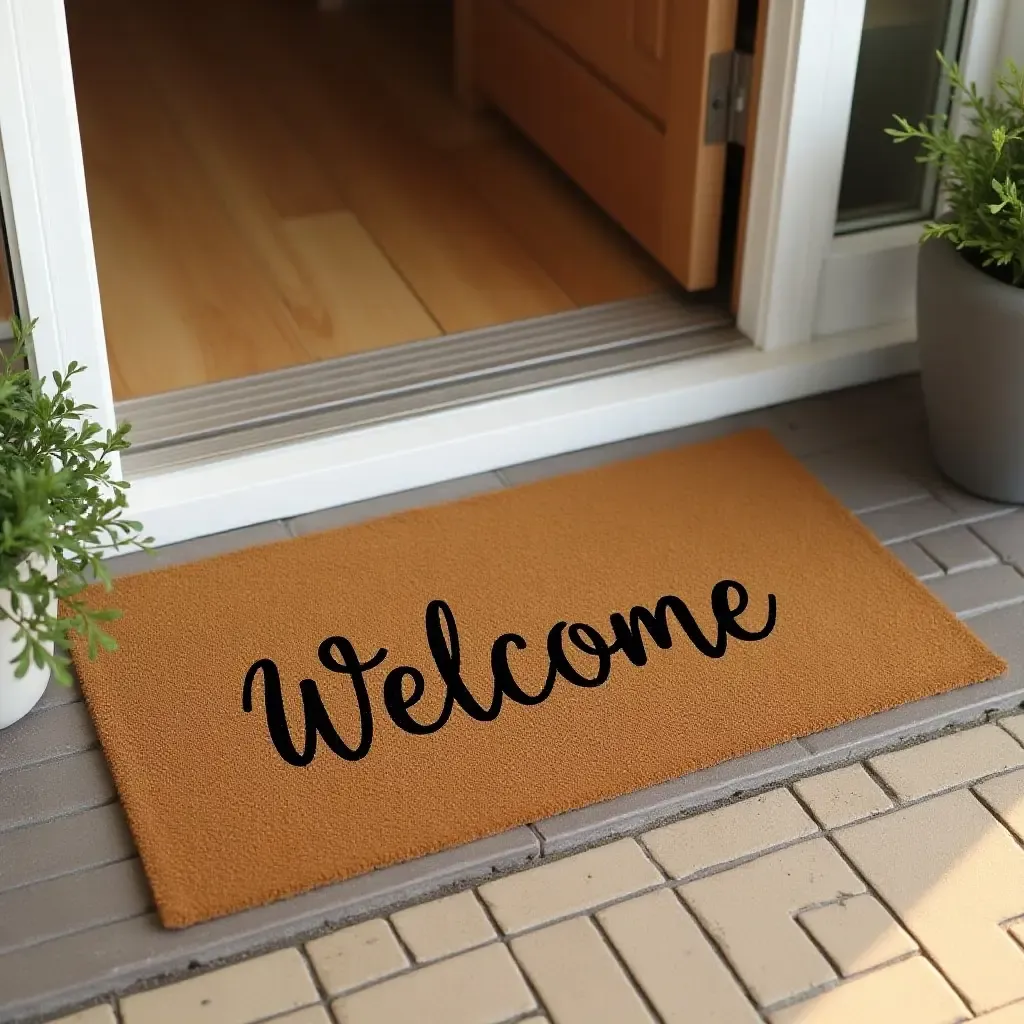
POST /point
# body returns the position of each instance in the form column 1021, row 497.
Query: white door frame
column 46, row 200
column 808, row 73
column 806, row 281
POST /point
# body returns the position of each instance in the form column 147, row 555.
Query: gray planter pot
column 971, row 336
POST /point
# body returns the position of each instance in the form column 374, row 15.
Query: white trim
column 48, row 211
column 992, row 29
column 810, row 64
column 386, row 458
column 870, row 277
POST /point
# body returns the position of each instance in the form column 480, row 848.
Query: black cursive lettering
column 337, row 654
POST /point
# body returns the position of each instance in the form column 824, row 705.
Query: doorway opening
column 295, row 215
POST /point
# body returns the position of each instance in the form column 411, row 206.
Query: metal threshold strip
column 216, row 421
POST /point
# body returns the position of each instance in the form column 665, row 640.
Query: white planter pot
column 18, row 696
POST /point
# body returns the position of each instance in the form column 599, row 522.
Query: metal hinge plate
column 728, row 98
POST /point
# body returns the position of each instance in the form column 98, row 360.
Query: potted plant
column 59, row 513
column 970, row 289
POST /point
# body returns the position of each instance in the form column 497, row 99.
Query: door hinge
column 728, row 97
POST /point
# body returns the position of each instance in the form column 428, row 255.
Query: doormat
column 288, row 716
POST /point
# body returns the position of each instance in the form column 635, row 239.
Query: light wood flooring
column 271, row 185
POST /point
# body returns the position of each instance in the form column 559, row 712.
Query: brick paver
column 842, row 796
column 442, row 927
column 729, row 833
column 751, row 913
column 952, row 874
column 240, row 994
column 958, row 550
column 570, row 885
column 480, row 987
column 889, row 890
column 948, row 761
column 577, row 976
column 858, row 933
column 94, row 1015
column 355, row 956
column 911, row 992
column 673, row 962
column 834, row 901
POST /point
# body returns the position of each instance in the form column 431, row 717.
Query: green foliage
column 980, row 172
column 58, row 504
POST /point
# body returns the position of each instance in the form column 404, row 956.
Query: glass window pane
column 897, row 73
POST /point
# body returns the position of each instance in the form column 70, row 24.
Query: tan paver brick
column 948, row 761
column 749, row 911
column 356, row 956
column 729, row 833
column 952, row 873
column 858, row 934
column 1014, row 724
column 674, row 964
column 1005, row 795
column 94, row 1015
column 1012, row 1014
column 310, row 1015
column 910, row 992
column 240, row 994
column 577, row 977
column 442, row 927
column 842, row 796
column 569, row 886
column 483, row 986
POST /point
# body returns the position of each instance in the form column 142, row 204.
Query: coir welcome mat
column 291, row 715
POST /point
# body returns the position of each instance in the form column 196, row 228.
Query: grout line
column 637, row 836
column 1017, row 840
column 880, row 781
column 838, row 982
column 998, row 722
column 627, row 971
column 61, row 756
column 798, row 920
column 10, row 830
column 283, row 1015
column 542, row 843
column 505, row 941
column 80, row 869
column 874, row 891
column 402, row 944
column 716, row 948
column 325, row 997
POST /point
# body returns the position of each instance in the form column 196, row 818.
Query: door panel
column 612, row 151
column 615, row 92
column 623, row 41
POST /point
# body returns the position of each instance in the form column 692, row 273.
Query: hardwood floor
column 271, row 185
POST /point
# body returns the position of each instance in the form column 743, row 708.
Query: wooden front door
column 615, row 92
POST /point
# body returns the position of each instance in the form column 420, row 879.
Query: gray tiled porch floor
column 76, row 917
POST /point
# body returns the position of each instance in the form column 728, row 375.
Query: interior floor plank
column 591, row 259
column 377, row 308
column 272, row 185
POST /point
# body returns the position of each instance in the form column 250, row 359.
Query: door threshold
column 217, row 421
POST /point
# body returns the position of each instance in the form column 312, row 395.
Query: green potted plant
column 970, row 288
column 60, row 512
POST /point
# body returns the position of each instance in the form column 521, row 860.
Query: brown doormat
column 600, row 601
